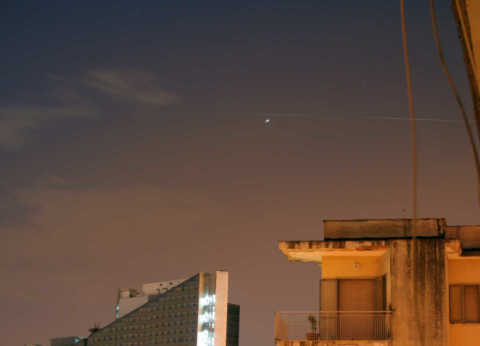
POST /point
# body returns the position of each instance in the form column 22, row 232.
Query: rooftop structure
column 129, row 298
column 389, row 282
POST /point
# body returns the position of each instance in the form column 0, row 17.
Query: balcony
column 308, row 328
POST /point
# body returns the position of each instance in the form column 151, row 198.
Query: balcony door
column 348, row 306
column 354, row 297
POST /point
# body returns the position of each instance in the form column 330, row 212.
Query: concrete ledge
column 384, row 228
column 314, row 251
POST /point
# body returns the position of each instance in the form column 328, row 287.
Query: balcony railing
column 332, row 325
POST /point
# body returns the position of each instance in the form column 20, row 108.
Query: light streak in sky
column 268, row 117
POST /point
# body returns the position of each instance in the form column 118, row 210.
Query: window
column 357, row 295
column 465, row 303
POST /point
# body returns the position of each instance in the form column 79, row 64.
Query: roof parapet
column 384, row 228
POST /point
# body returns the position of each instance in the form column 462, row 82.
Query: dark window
column 465, row 303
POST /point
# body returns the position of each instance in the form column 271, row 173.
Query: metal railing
column 332, row 325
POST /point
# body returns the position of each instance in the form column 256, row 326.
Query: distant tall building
column 192, row 312
column 233, row 324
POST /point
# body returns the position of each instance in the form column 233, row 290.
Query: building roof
column 369, row 237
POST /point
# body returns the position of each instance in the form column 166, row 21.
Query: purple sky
column 133, row 147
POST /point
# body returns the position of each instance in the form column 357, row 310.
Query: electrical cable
column 457, row 95
column 413, row 129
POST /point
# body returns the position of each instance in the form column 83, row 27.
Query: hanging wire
column 413, row 128
column 456, row 94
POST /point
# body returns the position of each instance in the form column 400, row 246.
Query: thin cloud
column 136, row 86
column 14, row 212
column 17, row 122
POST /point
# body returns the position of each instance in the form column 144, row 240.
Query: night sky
column 133, row 147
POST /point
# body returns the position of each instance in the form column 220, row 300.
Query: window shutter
column 471, row 309
column 456, row 303
column 328, row 295
column 380, row 290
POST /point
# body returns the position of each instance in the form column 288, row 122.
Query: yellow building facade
column 463, row 273
column 389, row 282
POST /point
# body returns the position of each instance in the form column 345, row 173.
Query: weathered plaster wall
column 419, row 296
column 353, row 267
column 464, row 334
column 464, row 270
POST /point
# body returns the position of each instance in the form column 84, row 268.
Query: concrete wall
column 418, row 292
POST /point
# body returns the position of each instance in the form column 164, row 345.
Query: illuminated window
column 465, row 303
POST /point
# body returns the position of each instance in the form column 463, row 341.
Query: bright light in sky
column 267, row 121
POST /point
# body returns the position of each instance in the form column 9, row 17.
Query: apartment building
column 389, row 282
